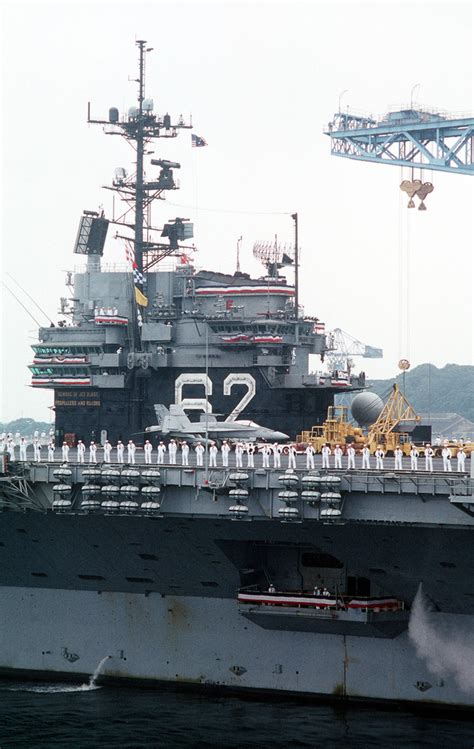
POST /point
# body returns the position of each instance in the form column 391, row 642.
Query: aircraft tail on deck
column 171, row 420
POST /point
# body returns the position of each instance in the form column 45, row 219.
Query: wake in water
column 445, row 652
column 60, row 688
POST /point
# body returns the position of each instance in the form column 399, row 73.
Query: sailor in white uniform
column 239, row 451
column 379, row 456
column 131, row 452
column 250, row 450
column 225, row 450
column 120, row 449
column 414, row 458
column 213, row 455
column 350, row 452
column 184, row 453
column 429, row 452
column 310, row 458
column 38, row 452
column 172, row 450
column 107, row 451
column 199, row 450
column 461, row 458
column 446, row 454
column 325, row 452
column 11, row 448
column 23, row 446
column 365, row 457
column 337, row 457
column 265, row 450
column 276, row 449
column 65, row 452
column 160, row 453
column 398, row 455
column 51, row 451
column 92, row 452
column 292, row 456
column 147, row 449
column 81, row 451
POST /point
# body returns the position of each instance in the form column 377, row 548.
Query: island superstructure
column 146, row 333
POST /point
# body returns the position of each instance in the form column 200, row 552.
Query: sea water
column 62, row 716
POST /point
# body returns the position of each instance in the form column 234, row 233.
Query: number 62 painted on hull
column 202, row 404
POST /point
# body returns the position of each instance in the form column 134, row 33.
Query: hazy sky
column 261, row 81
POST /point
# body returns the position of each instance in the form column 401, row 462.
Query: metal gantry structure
column 410, row 137
column 343, row 346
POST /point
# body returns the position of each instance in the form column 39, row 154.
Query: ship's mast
column 140, row 139
column 139, row 127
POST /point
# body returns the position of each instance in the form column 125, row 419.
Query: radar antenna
column 273, row 255
column 139, row 127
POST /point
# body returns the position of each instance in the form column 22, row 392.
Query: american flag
column 129, row 254
column 197, row 141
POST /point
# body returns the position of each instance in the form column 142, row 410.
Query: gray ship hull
column 204, row 642
column 160, row 594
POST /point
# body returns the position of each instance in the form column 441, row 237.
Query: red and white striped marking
column 69, row 381
column 374, row 604
column 267, row 339
column 287, row 600
column 243, row 290
column 239, row 338
column 61, row 360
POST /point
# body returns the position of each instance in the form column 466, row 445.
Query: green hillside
column 433, row 390
column 24, row 426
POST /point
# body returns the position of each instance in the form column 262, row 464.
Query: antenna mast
column 140, row 126
column 294, row 216
column 239, row 242
column 140, row 139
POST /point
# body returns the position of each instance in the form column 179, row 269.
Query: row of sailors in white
column 380, row 454
column 107, row 448
column 266, row 451
column 249, row 449
column 350, row 455
column 446, row 454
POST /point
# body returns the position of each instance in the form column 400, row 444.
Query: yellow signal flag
column 140, row 298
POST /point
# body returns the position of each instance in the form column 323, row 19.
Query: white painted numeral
column 239, row 378
column 201, row 404
column 193, row 404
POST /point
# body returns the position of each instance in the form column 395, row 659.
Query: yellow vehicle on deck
column 336, row 430
column 396, row 414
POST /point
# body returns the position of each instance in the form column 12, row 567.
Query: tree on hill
column 24, row 426
column 433, row 390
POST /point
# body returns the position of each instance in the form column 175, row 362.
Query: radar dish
column 273, row 255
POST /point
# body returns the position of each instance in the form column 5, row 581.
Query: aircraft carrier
column 214, row 578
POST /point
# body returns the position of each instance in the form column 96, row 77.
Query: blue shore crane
column 410, row 137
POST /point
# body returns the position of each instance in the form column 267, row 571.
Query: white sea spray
column 446, row 650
